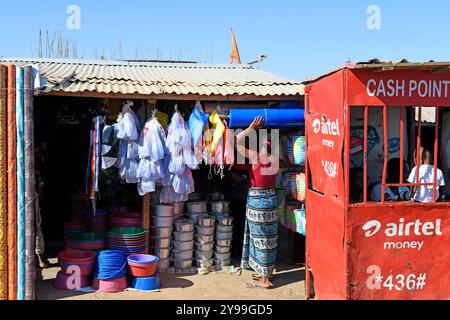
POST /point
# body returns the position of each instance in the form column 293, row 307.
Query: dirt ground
column 289, row 285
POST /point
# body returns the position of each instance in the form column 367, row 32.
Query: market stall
column 361, row 119
column 129, row 170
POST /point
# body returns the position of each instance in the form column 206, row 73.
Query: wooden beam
column 181, row 97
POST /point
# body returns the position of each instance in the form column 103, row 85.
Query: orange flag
column 235, row 53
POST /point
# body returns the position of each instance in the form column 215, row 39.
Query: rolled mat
column 30, row 188
column 3, row 188
column 20, row 184
column 12, row 185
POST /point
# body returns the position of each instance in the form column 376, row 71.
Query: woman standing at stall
column 261, row 225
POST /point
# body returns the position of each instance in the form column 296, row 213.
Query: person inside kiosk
column 424, row 193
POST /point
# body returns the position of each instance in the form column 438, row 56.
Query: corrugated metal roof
column 386, row 65
column 153, row 78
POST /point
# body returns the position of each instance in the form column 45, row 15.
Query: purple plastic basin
column 142, row 259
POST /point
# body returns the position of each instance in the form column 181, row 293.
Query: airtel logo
column 372, row 228
column 316, row 126
column 403, row 228
column 327, row 127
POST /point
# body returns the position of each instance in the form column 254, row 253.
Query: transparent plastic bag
column 184, row 183
column 131, row 171
column 146, row 186
column 130, row 124
column 189, row 158
column 132, row 150
column 153, row 139
column 157, row 170
column 143, row 150
column 143, row 169
column 176, row 165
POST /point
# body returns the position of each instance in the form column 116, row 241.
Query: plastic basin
column 142, row 265
column 65, row 282
column 146, row 283
column 77, row 256
column 85, row 268
column 128, row 232
column 111, row 286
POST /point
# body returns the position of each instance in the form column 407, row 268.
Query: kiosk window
column 384, row 165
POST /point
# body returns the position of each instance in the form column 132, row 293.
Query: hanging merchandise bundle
column 153, row 156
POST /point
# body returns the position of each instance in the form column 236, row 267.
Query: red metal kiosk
column 368, row 250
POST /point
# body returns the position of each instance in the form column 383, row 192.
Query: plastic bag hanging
column 152, row 150
column 197, row 124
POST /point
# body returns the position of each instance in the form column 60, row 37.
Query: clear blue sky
column 301, row 38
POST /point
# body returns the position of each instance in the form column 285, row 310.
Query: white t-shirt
column 424, row 194
column 404, row 194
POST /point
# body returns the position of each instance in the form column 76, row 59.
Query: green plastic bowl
column 128, row 231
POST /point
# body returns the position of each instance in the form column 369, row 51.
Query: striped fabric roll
column 12, row 185
column 20, row 184
column 3, row 187
column 30, row 187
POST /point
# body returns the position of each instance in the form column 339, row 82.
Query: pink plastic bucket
column 110, row 286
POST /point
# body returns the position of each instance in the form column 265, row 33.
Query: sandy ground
column 289, row 285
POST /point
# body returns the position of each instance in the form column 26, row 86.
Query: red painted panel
column 325, row 205
column 399, row 252
column 325, row 246
column 325, row 135
column 398, row 88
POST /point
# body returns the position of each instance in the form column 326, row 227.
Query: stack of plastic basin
column 123, row 220
column 74, row 263
column 71, row 228
column 97, row 221
column 129, row 240
column 87, row 241
column 143, row 268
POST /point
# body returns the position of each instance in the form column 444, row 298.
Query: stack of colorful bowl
column 87, row 241
column 129, row 240
column 143, row 269
column 97, row 221
column 122, row 220
column 71, row 261
column 71, row 228
column 78, row 216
